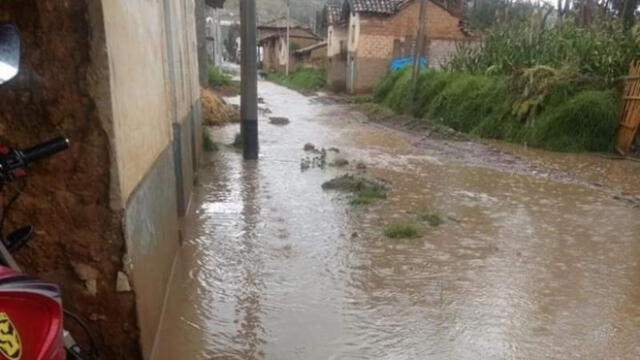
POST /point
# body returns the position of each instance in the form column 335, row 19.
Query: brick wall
column 440, row 51
column 375, row 46
column 368, row 73
column 377, row 34
column 440, row 23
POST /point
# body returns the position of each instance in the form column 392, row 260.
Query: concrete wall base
column 151, row 231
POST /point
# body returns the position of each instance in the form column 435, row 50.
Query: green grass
column 365, row 191
column 546, row 108
column 300, row 80
column 368, row 196
column 432, row 218
column 208, row 143
column 219, row 78
column 401, row 231
column 363, row 99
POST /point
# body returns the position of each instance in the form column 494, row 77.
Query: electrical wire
column 6, row 208
column 93, row 352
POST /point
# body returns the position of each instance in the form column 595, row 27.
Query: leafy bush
column 306, row 79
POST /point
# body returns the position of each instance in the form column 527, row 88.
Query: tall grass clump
column 559, row 112
column 305, row 79
column 555, row 87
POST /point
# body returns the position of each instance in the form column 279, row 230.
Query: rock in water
column 310, row 147
column 275, row 120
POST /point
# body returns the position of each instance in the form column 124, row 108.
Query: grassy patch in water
column 300, row 80
column 208, row 143
column 365, row 191
column 401, row 231
column 368, row 196
column 432, row 218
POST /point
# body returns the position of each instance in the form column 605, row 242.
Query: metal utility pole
column 286, row 69
column 420, row 42
column 249, row 80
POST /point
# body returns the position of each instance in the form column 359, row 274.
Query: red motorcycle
column 31, row 313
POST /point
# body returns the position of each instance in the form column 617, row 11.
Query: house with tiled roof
column 364, row 36
column 272, row 40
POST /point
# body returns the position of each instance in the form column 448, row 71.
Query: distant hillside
column 304, row 11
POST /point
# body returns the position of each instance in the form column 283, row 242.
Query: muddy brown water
column 273, row 267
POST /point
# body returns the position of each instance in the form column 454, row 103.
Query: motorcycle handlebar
column 45, row 149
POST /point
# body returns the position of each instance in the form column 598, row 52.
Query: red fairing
column 30, row 319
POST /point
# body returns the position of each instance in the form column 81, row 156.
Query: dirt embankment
column 215, row 111
column 67, row 196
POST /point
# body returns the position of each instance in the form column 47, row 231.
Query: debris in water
column 319, row 161
column 361, row 166
column 280, row 121
column 237, row 141
column 264, row 110
column 334, row 149
column 305, row 164
column 310, row 147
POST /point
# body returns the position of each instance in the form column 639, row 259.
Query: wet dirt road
column 526, row 265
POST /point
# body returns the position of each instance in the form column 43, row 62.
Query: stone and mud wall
column 120, row 80
column 337, row 57
column 62, row 89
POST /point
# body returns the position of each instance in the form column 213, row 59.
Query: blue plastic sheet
column 401, row 63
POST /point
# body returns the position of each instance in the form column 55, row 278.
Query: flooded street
column 526, row 265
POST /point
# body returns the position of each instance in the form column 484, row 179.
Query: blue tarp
column 401, row 63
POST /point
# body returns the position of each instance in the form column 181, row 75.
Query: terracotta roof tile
column 377, row 6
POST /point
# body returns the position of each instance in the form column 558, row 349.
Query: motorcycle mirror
column 9, row 52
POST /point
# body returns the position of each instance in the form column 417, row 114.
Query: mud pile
column 215, row 111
